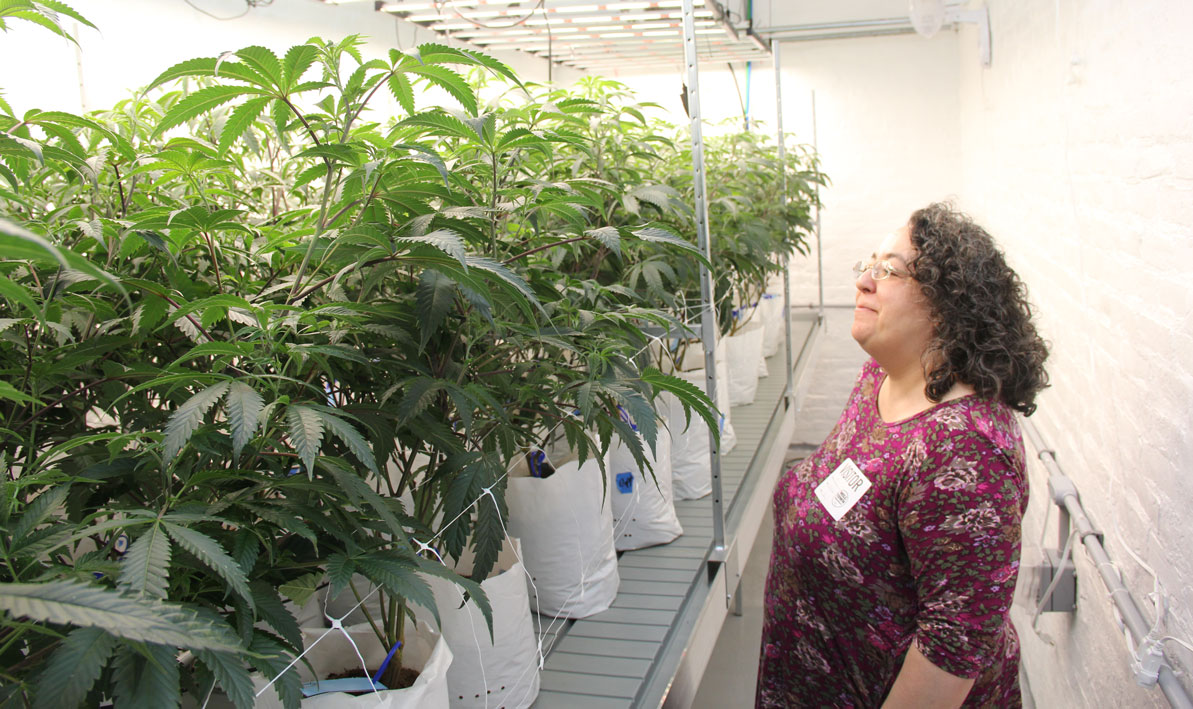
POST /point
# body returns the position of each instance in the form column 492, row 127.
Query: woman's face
column 892, row 321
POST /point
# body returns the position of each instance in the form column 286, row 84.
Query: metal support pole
column 708, row 315
column 774, row 50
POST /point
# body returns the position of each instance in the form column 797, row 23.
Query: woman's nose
column 865, row 281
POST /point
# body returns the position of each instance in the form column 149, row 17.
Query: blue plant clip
column 385, row 663
column 350, row 685
column 625, row 416
column 536, row 460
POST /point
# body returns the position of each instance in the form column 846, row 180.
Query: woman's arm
column 923, row 685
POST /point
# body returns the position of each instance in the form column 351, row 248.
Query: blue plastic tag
column 354, row 685
column 625, row 482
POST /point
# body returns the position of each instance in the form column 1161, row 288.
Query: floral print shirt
column 929, row 554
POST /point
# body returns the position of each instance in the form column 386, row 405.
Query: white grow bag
column 643, row 511
column 745, row 351
column 565, row 523
column 498, row 672
column 691, row 474
column 330, row 651
column 770, row 308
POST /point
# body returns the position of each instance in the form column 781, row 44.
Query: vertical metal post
column 819, row 258
column 708, row 315
column 774, row 50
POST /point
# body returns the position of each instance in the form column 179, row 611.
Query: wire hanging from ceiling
column 484, row 25
column 249, row 5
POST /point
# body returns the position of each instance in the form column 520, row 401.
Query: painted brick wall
column 888, row 137
column 1077, row 153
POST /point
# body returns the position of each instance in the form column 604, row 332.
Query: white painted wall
column 1077, row 152
column 138, row 39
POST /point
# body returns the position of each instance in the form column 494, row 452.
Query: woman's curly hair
column 984, row 335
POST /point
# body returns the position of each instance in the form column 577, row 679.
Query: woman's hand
column 923, row 685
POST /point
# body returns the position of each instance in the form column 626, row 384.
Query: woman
column 897, row 542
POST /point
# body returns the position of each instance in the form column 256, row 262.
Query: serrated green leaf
column 475, row 593
column 198, row 103
column 446, row 240
column 263, row 61
column 213, row 349
column 147, row 676
column 505, row 274
column 609, row 237
column 274, row 661
column 232, row 676
column 19, row 294
column 18, row 243
column 399, row 578
column 244, row 407
column 140, row 619
column 402, row 91
column 38, row 510
column 443, row 123
column 296, row 62
column 356, row 443
column 73, row 668
column 187, row 418
column 306, row 434
column 690, row 396
column 340, row 568
column 208, row 551
column 433, row 300
column 449, row 81
column 519, row 138
column 351, row 482
column 240, row 120
column 419, row 394
column 300, row 589
column 489, row 534
column 145, row 568
column 663, row 236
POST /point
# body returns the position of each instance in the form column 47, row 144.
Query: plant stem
column 544, row 247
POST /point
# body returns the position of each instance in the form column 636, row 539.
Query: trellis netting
column 565, row 523
column 643, row 507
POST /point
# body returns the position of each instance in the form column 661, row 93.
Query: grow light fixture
column 585, row 34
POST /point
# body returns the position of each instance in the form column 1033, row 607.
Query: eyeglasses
column 879, row 270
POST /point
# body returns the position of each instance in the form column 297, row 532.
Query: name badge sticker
column 840, row 491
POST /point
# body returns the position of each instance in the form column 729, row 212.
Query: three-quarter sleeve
column 960, row 519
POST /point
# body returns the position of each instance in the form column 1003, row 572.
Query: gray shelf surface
column 620, row 658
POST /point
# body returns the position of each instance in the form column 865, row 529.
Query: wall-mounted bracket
column 954, row 14
column 1063, row 598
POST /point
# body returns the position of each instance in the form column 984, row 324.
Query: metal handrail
column 1148, row 662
